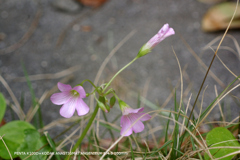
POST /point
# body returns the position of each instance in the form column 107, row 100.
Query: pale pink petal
column 169, row 32
column 60, row 98
column 81, row 91
column 64, row 87
column 138, row 125
column 125, row 122
column 68, row 109
column 144, row 118
column 163, row 30
column 152, row 42
column 81, row 107
column 130, row 110
column 122, row 120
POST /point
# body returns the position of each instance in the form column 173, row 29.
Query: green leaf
column 2, row 106
column 221, row 137
column 13, row 137
column 33, row 142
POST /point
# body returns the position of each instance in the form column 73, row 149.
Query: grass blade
column 163, row 146
column 52, row 145
column 34, row 102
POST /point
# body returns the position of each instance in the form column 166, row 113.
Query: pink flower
column 129, row 118
column 163, row 33
column 71, row 98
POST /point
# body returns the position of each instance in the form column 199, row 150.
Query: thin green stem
column 110, row 131
column 109, row 91
column 116, row 96
column 84, row 131
column 87, row 80
column 91, row 92
column 118, row 73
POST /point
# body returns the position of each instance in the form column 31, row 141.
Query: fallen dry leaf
column 2, row 123
column 92, row 3
column 86, row 28
column 218, row 17
column 211, row 1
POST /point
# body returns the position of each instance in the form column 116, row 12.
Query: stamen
column 75, row 93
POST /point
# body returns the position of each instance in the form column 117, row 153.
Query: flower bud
column 101, row 104
column 112, row 101
column 107, row 107
column 163, row 33
column 123, row 105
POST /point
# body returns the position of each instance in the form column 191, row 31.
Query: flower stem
column 87, row 80
column 119, row 72
column 116, row 96
column 84, row 131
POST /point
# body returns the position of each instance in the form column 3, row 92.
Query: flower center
column 75, row 93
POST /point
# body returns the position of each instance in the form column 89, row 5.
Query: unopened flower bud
column 163, row 33
column 101, row 104
column 112, row 101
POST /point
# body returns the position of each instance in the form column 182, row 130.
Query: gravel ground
column 95, row 33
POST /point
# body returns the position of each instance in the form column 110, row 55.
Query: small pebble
column 65, row 5
column 93, row 57
column 44, row 64
column 76, row 28
column 2, row 36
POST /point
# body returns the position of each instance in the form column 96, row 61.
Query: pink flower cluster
column 131, row 120
column 71, row 100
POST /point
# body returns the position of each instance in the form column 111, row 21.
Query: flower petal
column 165, row 32
column 67, row 110
column 125, row 124
column 64, row 87
column 144, row 118
column 60, row 98
column 81, row 91
column 152, row 42
column 81, row 107
column 169, row 33
column 130, row 110
column 164, row 29
column 138, row 125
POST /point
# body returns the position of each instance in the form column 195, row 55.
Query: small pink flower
column 129, row 118
column 163, row 33
column 71, row 98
